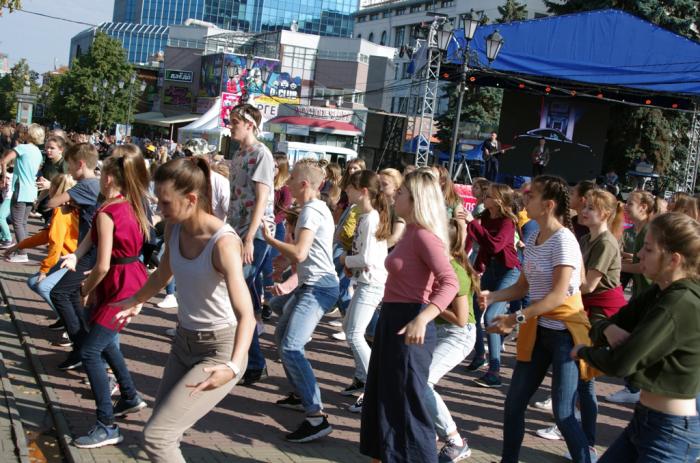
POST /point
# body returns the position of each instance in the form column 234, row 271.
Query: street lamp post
column 494, row 42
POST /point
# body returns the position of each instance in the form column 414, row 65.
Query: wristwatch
column 520, row 317
column 233, row 368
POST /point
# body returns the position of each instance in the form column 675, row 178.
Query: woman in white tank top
column 215, row 313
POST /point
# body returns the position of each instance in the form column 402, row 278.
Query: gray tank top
column 202, row 296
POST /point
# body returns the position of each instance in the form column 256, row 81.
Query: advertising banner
column 178, row 76
column 228, row 102
column 177, row 95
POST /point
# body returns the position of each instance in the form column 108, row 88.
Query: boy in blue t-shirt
column 65, row 296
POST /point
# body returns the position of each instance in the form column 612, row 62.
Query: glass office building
column 142, row 25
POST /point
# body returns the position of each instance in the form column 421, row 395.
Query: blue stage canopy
column 602, row 47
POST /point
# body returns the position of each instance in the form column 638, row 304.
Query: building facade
column 142, row 25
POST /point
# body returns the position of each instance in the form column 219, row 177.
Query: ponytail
column 605, row 202
column 188, row 175
column 370, row 180
column 128, row 168
column 457, row 235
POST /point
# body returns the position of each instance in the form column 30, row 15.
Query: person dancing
column 215, row 313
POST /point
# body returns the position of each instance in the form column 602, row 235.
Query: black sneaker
column 57, row 325
column 489, row 380
column 477, row 363
column 251, row 377
column 124, row 407
column 354, row 388
column 71, row 363
column 307, row 432
column 266, row 313
column 357, row 406
column 291, row 402
column 63, row 341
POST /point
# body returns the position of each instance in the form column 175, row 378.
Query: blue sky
column 40, row 39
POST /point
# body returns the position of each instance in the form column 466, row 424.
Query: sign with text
column 178, row 76
column 318, row 112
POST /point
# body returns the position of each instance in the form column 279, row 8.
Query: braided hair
column 556, row 189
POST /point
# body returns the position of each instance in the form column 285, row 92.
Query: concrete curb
column 17, row 428
column 62, row 430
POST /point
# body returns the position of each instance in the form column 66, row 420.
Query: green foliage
column 481, row 107
column 661, row 135
column 12, row 84
column 512, row 10
column 72, row 100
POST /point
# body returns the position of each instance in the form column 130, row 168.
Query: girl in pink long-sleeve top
column 498, row 261
column 396, row 426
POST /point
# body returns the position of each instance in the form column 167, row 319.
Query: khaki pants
column 175, row 411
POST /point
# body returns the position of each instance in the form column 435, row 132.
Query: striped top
column 540, row 260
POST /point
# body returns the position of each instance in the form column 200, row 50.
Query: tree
column 13, row 83
column 72, row 99
column 661, row 135
column 512, row 10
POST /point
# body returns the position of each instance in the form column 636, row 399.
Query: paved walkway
column 247, row 426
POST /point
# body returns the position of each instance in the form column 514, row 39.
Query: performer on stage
column 540, row 157
column 490, row 150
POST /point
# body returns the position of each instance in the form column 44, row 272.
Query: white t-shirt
column 368, row 254
column 220, row 194
column 540, row 260
column 317, row 269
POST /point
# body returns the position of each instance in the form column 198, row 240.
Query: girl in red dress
column 118, row 231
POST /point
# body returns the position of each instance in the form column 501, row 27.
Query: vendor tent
column 207, row 127
column 597, row 48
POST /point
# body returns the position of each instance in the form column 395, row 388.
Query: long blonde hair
column 425, row 192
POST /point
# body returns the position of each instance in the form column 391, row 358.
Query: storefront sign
column 178, row 76
column 318, row 112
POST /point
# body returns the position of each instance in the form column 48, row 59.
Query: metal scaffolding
column 691, row 166
column 427, row 81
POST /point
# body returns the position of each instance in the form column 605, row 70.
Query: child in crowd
column 65, row 295
column 118, row 231
column 316, row 294
column 54, row 165
column 456, row 334
column 365, row 263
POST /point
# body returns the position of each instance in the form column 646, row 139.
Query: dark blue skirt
column 396, row 426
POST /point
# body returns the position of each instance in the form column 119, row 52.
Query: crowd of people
column 421, row 282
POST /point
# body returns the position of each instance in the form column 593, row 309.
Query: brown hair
column 242, row 109
column 555, row 189
column 448, row 188
column 584, row 186
column 605, row 202
column 457, row 235
column 676, row 232
column 645, row 199
column 128, row 168
column 188, row 175
column 282, row 170
column 686, row 204
column 334, row 173
column 346, row 174
column 60, row 141
column 480, row 182
column 85, row 152
column 380, row 202
column 61, row 183
column 503, row 195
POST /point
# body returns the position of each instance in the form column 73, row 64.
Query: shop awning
column 298, row 124
column 161, row 120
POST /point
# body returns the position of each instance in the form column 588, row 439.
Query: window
column 399, row 11
column 361, row 19
column 399, row 37
column 374, row 16
column 382, row 41
column 414, row 9
column 386, row 14
column 447, row 3
column 358, row 97
column 371, row 37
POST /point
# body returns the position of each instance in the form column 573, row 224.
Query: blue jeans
column 344, row 296
column 44, row 287
column 656, row 437
column 267, row 269
column 301, row 314
column 589, row 409
column 362, row 308
column 251, row 272
column 496, row 277
column 101, row 343
column 552, row 347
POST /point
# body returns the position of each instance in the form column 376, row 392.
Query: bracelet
column 234, row 368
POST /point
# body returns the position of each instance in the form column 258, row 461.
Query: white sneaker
column 17, row 258
column 551, row 433
column 336, row 323
column 340, row 336
column 168, row 302
column 623, row 396
column 592, row 450
column 171, row 332
column 544, row 405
